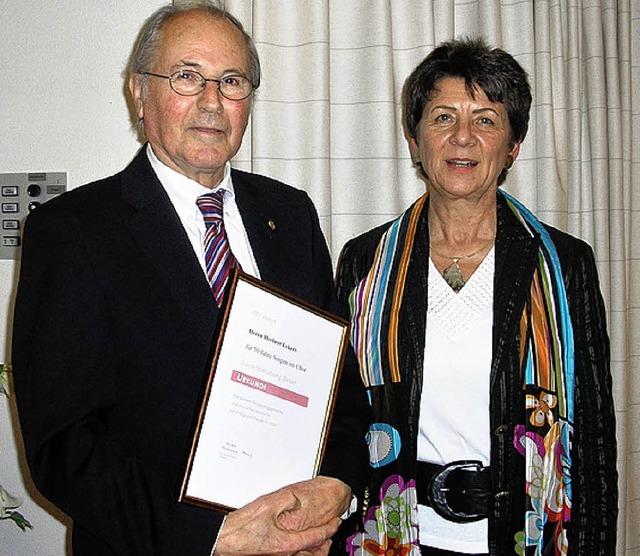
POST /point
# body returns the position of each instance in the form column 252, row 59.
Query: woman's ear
column 511, row 157
column 414, row 150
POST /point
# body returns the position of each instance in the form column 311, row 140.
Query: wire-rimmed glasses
column 189, row 83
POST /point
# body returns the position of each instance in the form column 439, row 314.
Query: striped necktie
column 217, row 254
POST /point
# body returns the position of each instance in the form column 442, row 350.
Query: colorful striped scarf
column 547, row 360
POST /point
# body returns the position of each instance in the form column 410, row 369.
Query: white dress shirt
column 183, row 193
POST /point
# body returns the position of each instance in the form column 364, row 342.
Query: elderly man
column 115, row 317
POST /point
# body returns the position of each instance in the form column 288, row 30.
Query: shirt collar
column 182, row 190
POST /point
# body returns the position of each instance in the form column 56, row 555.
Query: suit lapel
column 262, row 218
column 160, row 235
column 516, row 254
column 411, row 335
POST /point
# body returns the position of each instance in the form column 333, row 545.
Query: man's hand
column 277, row 524
column 320, row 501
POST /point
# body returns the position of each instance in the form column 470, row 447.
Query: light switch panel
column 19, row 195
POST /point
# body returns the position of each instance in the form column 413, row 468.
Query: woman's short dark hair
column 492, row 70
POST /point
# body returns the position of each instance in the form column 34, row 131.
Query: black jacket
column 594, row 475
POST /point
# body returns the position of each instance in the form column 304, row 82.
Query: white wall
column 62, row 108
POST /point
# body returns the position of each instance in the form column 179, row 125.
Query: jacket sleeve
column 346, row 455
column 346, row 279
column 594, row 475
column 65, row 372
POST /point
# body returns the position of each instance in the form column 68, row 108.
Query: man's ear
column 135, row 88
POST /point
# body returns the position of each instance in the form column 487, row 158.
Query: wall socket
column 19, row 195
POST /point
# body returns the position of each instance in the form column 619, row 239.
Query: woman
column 482, row 341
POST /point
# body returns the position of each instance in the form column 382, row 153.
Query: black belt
column 459, row 491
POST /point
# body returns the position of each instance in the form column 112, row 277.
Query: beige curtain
column 328, row 120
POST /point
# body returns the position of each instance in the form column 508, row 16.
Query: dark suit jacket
column 114, row 323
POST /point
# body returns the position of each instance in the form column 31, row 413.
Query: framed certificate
column 269, row 397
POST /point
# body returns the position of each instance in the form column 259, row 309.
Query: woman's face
column 463, row 143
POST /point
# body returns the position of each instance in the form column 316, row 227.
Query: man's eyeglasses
column 189, row 83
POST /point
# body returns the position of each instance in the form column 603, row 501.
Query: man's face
column 195, row 135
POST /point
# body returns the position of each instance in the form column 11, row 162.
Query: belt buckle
column 437, row 492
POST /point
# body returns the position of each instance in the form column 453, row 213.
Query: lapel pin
column 272, row 225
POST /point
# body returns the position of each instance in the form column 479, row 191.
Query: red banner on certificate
column 269, row 388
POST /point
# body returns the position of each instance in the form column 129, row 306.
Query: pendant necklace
column 452, row 274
